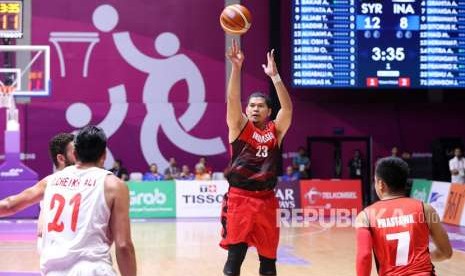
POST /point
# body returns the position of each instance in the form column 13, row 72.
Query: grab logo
column 155, row 198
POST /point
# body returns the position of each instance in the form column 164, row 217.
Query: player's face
column 69, row 159
column 257, row 111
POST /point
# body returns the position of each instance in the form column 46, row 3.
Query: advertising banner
column 329, row 196
column 438, row 196
column 288, row 194
column 454, row 207
column 152, row 199
column 421, row 189
column 200, row 198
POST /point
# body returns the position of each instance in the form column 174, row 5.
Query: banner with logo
column 421, row 189
column 438, row 196
column 152, row 199
column 453, row 213
column 331, row 196
column 200, row 198
column 288, row 194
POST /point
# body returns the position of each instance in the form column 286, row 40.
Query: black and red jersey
column 255, row 155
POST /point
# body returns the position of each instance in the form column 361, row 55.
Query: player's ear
column 269, row 111
column 61, row 158
column 103, row 158
column 382, row 186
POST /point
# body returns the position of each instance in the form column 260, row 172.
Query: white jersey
column 75, row 230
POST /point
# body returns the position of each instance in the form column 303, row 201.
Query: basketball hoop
column 6, row 96
column 8, row 102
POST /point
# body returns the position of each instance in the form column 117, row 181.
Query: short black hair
column 90, row 144
column 260, row 95
column 394, row 172
column 57, row 145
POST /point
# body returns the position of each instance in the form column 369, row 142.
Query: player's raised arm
column 364, row 245
column 284, row 116
column 234, row 116
column 439, row 236
column 15, row 203
column 117, row 195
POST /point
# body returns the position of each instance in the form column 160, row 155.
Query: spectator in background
column 119, row 170
column 457, row 167
column 290, row 174
column 301, row 163
column 203, row 161
column 186, row 174
column 153, row 174
column 407, row 157
column 395, row 151
column 201, row 173
column 172, row 172
column 356, row 165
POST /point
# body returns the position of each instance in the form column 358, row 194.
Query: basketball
column 235, row 19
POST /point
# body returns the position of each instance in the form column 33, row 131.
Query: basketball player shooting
column 86, row 209
column 250, row 206
column 397, row 229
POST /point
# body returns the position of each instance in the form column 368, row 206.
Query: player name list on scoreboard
column 395, row 43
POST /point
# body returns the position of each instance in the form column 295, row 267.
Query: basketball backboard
column 25, row 70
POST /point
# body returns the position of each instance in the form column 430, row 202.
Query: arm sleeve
column 364, row 248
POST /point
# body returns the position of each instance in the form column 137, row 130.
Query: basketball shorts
column 85, row 268
column 250, row 217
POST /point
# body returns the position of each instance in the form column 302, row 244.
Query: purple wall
column 195, row 23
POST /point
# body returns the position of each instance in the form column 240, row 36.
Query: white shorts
column 86, row 268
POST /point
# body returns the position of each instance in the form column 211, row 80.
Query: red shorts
column 250, row 217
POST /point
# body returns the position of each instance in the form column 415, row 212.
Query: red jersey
column 255, row 155
column 400, row 237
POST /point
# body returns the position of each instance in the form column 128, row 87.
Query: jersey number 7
column 403, row 246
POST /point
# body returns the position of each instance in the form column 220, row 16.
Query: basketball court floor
column 180, row 247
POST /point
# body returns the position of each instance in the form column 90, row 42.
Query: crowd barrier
column 447, row 198
column 171, row 199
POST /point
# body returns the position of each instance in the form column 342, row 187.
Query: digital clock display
column 11, row 19
column 378, row 44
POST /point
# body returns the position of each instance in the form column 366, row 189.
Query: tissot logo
column 203, row 199
column 207, row 195
column 208, row 188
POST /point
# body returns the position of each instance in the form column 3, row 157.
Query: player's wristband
column 276, row 78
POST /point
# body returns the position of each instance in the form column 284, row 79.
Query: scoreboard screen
column 378, row 43
column 11, row 19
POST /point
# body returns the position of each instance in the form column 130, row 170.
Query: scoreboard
column 378, row 43
column 11, row 19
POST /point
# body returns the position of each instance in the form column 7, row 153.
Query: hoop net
column 6, row 97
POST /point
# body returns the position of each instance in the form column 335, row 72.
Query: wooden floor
column 190, row 247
